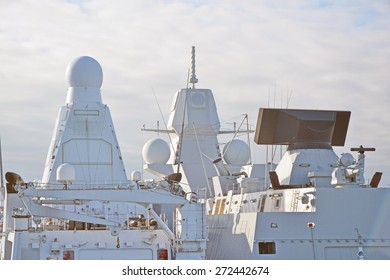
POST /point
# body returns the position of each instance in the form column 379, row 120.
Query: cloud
column 323, row 54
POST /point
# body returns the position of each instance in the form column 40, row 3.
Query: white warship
column 313, row 204
column 85, row 206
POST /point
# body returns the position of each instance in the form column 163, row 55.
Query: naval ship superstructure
column 85, row 206
column 313, row 204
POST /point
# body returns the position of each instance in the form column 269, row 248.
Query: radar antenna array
column 193, row 79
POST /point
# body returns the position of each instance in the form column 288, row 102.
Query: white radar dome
column 236, row 152
column 347, row 159
column 84, row 71
column 156, row 151
column 66, row 173
column 135, row 176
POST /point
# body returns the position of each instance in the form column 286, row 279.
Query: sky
column 330, row 55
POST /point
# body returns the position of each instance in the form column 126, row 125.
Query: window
column 277, row 202
column 261, row 204
column 162, row 254
column 266, row 248
column 68, row 255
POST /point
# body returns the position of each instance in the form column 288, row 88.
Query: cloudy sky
column 332, row 55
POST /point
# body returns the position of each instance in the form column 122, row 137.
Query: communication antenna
column 162, row 116
column 182, row 126
column 193, row 79
column 1, row 166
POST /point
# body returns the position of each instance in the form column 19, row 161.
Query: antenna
column 237, row 131
column 162, row 116
column 182, row 125
column 249, row 142
column 1, row 166
column 193, row 79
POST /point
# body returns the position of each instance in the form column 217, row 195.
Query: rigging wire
column 162, row 116
column 235, row 134
column 1, row 166
column 201, row 159
column 182, row 124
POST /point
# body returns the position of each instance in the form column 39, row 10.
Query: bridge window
column 68, row 255
column 266, row 248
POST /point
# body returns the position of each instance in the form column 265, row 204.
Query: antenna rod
column 162, row 116
column 1, row 166
column 182, row 126
column 193, row 79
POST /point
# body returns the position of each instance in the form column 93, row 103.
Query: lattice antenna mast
column 193, row 79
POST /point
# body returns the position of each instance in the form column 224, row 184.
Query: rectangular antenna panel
column 287, row 126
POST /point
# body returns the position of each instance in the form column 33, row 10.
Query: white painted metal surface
column 320, row 207
column 85, row 207
column 314, row 205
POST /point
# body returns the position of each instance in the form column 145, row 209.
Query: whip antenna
column 1, row 167
column 162, row 116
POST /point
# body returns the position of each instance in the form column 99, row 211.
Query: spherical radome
column 156, row 151
column 84, row 71
column 65, row 173
column 347, row 159
column 136, row 176
column 236, row 152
